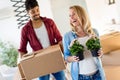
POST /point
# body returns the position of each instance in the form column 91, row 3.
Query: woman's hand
column 100, row 53
column 73, row 59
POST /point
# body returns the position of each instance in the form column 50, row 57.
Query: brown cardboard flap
column 105, row 36
column 110, row 42
column 31, row 55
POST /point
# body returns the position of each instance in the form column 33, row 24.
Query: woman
column 90, row 68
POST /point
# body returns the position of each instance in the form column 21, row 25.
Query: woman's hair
column 29, row 4
column 83, row 18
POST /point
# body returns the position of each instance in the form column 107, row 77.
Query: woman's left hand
column 100, row 53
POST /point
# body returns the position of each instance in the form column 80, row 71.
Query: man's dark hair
column 29, row 4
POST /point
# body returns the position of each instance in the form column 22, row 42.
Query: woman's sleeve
column 66, row 42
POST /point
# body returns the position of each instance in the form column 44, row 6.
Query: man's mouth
column 36, row 15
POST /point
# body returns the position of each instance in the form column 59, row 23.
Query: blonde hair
column 84, row 20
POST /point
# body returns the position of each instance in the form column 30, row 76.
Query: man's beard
column 36, row 18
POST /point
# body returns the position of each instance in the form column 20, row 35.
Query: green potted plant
column 93, row 44
column 8, row 54
column 77, row 50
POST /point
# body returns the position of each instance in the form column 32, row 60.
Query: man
column 40, row 32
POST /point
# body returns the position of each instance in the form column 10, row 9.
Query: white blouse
column 87, row 65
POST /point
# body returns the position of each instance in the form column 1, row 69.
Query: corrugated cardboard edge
column 20, row 71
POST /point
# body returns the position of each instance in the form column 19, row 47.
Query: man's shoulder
column 27, row 25
column 46, row 19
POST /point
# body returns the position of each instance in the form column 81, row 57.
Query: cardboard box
column 18, row 76
column 42, row 62
column 110, row 42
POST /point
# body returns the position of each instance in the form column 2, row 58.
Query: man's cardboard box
column 110, row 42
column 18, row 75
column 42, row 62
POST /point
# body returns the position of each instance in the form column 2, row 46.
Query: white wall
column 9, row 30
column 45, row 8
column 118, row 7
column 101, row 14
column 8, row 24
